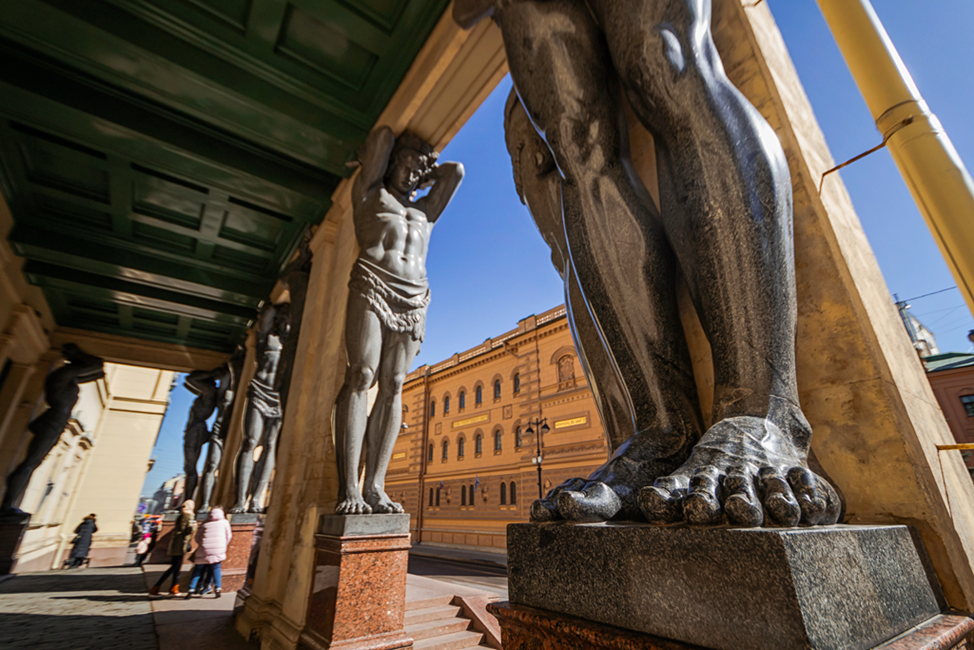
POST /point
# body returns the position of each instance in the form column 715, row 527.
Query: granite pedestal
column 358, row 596
column 12, row 528
column 234, row 568
column 835, row 588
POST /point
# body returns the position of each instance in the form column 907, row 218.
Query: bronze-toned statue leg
column 619, row 253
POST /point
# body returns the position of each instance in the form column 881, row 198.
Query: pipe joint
column 902, row 115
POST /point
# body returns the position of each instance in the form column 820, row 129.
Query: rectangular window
column 968, row 402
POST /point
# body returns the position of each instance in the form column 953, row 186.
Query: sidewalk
column 84, row 609
column 488, row 558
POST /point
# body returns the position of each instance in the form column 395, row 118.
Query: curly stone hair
column 409, row 141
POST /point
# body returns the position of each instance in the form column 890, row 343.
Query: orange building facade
column 951, row 376
column 463, row 466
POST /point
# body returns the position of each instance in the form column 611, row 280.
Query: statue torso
column 392, row 235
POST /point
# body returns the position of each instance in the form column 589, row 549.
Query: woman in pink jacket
column 213, row 538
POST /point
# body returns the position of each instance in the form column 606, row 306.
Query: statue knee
column 393, row 384
column 360, row 377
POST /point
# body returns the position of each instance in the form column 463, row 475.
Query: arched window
column 463, row 495
column 479, row 395
column 472, row 502
column 430, row 459
column 478, row 444
column 461, row 400
column 497, row 440
column 446, row 449
column 517, row 383
column 460, row 446
column 437, row 497
column 503, row 493
column 517, row 439
column 432, row 407
column 497, row 389
column 446, row 405
column 431, row 497
column 513, row 493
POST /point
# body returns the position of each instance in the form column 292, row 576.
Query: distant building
column 923, row 339
column 951, row 376
column 463, row 466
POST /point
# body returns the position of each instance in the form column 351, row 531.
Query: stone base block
column 840, row 588
column 526, row 628
column 12, row 529
column 234, row 568
column 358, row 596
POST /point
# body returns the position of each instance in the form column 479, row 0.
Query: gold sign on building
column 474, row 420
column 574, row 422
column 401, row 454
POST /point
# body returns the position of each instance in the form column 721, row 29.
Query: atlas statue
column 226, row 393
column 203, row 384
column 61, row 391
column 388, row 296
column 724, row 222
column 264, row 410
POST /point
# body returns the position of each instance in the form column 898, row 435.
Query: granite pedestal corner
column 835, row 588
column 358, row 595
column 12, row 529
column 234, row 568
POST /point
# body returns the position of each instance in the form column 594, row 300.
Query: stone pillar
column 358, row 596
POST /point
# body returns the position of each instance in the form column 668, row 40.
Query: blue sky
column 488, row 266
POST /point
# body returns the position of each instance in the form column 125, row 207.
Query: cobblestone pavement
column 76, row 610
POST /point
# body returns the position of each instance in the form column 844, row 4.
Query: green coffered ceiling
column 163, row 158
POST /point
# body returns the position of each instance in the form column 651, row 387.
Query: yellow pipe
column 931, row 167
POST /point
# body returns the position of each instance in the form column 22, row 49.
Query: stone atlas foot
column 745, row 472
column 353, row 504
column 380, row 503
column 610, row 492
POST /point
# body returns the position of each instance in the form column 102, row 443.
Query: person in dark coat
column 82, row 540
column 179, row 544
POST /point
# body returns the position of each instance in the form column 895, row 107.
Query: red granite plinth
column 160, row 554
column 234, row 568
column 11, row 532
column 358, row 596
column 526, row 628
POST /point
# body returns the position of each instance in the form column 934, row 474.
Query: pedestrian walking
column 82, row 541
column 213, row 538
column 179, row 545
column 144, row 547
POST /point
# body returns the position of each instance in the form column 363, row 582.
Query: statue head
column 410, row 163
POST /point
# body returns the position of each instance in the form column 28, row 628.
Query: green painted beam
column 58, row 248
column 121, row 291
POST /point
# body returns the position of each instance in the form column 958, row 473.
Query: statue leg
column 727, row 209
column 619, row 253
column 253, row 429
column 265, row 467
column 192, row 446
column 40, row 446
column 363, row 346
column 213, row 456
column 398, row 352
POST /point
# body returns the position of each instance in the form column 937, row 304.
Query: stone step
column 435, row 613
column 455, row 641
column 426, row 603
column 443, row 627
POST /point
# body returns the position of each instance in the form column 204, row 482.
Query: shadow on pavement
column 76, row 580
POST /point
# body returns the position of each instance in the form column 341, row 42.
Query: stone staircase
column 435, row 623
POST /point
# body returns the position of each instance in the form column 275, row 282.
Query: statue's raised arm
column 374, row 161
column 444, row 181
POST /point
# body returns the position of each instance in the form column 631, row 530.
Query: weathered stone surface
column 841, row 587
column 356, row 525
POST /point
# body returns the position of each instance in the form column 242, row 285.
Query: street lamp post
column 542, row 424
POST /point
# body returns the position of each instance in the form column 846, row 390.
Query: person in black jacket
column 82, row 540
column 182, row 537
